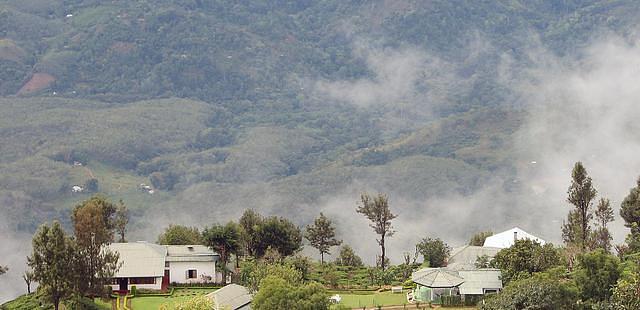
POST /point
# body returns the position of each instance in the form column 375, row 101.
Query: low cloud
column 583, row 109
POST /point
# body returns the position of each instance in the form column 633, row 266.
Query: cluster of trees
column 265, row 251
column 73, row 267
column 584, row 274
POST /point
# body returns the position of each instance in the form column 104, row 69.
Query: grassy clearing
column 155, row 302
column 373, row 300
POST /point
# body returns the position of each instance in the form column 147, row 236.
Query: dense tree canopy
column 180, row 235
column 94, row 222
column 535, row 293
column 524, row 258
column 630, row 213
column 596, row 275
column 626, row 294
column 322, row 235
column 348, row 257
column 277, row 293
column 279, row 234
column 225, row 240
column 252, row 273
column 581, row 194
column 434, row 251
column 52, row 262
column 250, row 222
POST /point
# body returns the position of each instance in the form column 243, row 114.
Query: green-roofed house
column 231, row 297
column 433, row 283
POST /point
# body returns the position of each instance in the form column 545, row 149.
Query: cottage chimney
column 515, row 236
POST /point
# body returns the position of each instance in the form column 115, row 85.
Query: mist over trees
column 282, row 107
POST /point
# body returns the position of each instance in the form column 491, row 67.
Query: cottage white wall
column 178, row 271
column 157, row 286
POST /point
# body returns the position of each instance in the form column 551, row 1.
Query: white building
column 152, row 266
column 142, row 265
column 191, row 264
column 507, row 238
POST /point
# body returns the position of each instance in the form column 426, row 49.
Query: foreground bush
column 276, row 293
column 536, row 293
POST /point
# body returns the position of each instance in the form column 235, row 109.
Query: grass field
column 155, row 302
column 372, row 300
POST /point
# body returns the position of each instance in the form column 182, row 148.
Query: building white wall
column 178, row 271
column 157, row 286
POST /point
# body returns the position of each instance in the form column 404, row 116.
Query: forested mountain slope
column 277, row 105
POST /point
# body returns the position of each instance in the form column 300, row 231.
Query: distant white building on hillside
column 507, row 238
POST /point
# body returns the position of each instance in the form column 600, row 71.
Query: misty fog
column 578, row 108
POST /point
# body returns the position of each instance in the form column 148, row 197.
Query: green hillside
column 223, row 105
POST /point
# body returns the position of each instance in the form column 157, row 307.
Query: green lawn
column 372, row 300
column 155, row 302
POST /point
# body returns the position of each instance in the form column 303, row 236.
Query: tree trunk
column 584, row 229
column 321, row 258
column 382, row 258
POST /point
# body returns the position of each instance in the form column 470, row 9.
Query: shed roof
column 139, row 259
column 507, row 238
column 465, row 257
column 476, row 281
column 232, row 297
column 436, row 277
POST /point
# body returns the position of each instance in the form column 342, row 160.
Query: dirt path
column 89, row 172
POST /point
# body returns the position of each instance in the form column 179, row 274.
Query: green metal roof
column 476, row 281
column 464, row 258
column 437, row 277
column 231, row 297
column 139, row 259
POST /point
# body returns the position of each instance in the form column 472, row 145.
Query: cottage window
column 166, row 264
column 142, row 280
column 192, row 274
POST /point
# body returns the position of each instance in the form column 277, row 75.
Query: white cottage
column 142, row 265
column 191, row 264
column 152, row 266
